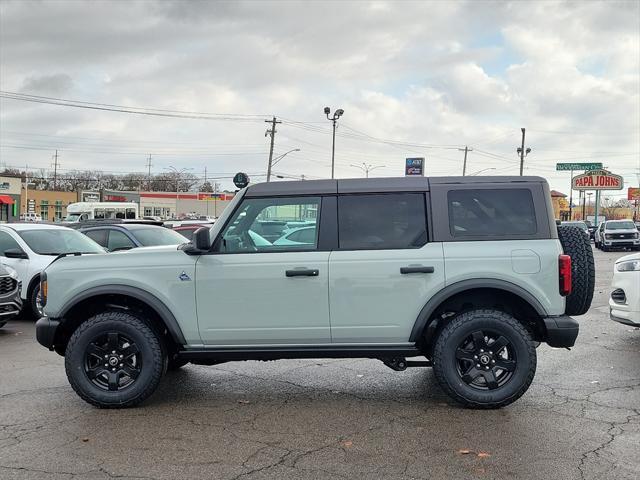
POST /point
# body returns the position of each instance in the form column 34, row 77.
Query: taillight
column 564, row 274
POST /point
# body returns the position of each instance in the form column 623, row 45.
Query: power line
column 131, row 110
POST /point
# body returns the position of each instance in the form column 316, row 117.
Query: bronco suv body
column 469, row 272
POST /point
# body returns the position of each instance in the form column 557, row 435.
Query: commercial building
column 51, row 205
column 10, row 190
column 166, row 204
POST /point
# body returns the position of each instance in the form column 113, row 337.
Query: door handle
column 416, row 269
column 302, row 272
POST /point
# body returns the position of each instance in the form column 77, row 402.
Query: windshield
column 150, row 237
column 620, row 226
column 57, row 241
column 73, row 217
column 581, row 225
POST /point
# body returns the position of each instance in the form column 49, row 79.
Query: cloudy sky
column 415, row 79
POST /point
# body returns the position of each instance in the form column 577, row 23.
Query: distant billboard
column 633, row 193
column 414, row 166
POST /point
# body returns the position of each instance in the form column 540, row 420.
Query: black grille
column 7, row 285
column 618, row 296
column 623, row 235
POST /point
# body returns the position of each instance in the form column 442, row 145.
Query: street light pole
column 338, row 113
column 276, row 160
column 367, row 168
column 178, row 173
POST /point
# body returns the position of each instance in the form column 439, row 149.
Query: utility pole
column 55, row 171
column 205, row 182
column 149, row 174
column 272, row 132
column 523, row 153
column 464, row 165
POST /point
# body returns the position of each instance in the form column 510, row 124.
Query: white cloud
column 445, row 73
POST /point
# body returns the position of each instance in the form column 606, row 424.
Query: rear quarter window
column 491, row 213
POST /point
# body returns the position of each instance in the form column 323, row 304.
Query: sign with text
column 597, row 180
column 579, row 166
column 633, row 193
column 414, row 166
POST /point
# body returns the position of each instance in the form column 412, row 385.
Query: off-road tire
column 583, row 271
column 445, row 362
column 153, row 359
column 176, row 363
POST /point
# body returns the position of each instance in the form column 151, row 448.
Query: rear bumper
column 562, row 331
column 46, row 331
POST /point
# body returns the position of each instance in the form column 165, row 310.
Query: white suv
column 29, row 248
column 624, row 304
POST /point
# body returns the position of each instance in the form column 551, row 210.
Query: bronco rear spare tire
column 583, row 273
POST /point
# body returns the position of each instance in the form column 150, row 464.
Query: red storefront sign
column 598, row 180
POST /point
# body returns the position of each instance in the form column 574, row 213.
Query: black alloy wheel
column 112, row 361
column 485, row 360
column 115, row 359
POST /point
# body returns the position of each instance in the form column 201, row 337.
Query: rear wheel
column 114, row 360
column 484, row 359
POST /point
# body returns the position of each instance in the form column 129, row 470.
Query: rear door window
column 98, row 236
column 384, row 221
column 491, row 213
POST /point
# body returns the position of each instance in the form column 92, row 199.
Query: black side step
column 275, row 353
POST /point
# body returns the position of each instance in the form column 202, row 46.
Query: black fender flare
column 458, row 287
column 156, row 304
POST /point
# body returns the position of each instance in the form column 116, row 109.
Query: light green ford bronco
column 470, row 272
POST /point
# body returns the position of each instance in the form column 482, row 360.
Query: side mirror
column 16, row 253
column 201, row 239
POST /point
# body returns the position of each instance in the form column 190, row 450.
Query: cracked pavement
column 330, row 419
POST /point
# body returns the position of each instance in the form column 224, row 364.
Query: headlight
column 629, row 266
column 12, row 273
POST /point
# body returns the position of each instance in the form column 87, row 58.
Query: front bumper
column 627, row 242
column 562, row 331
column 628, row 318
column 46, row 331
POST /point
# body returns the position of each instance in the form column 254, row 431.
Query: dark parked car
column 10, row 302
column 125, row 236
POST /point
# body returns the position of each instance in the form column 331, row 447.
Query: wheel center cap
column 113, row 361
column 484, row 359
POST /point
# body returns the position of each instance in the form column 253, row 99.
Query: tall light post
column 276, row 160
column 480, row 171
column 178, row 173
column 366, row 168
column 337, row 114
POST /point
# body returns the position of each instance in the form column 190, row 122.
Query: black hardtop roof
column 375, row 185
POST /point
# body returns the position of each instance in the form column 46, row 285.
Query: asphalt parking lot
column 326, row 419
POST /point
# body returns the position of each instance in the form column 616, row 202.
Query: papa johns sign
column 598, row 180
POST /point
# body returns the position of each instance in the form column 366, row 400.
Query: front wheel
column 36, row 310
column 484, row 359
column 114, row 360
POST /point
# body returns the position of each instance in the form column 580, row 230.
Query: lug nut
column 113, row 369
column 486, row 368
column 121, row 356
column 106, row 364
column 113, row 351
column 493, row 361
column 478, row 365
column 121, row 364
column 481, row 351
column 475, row 357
